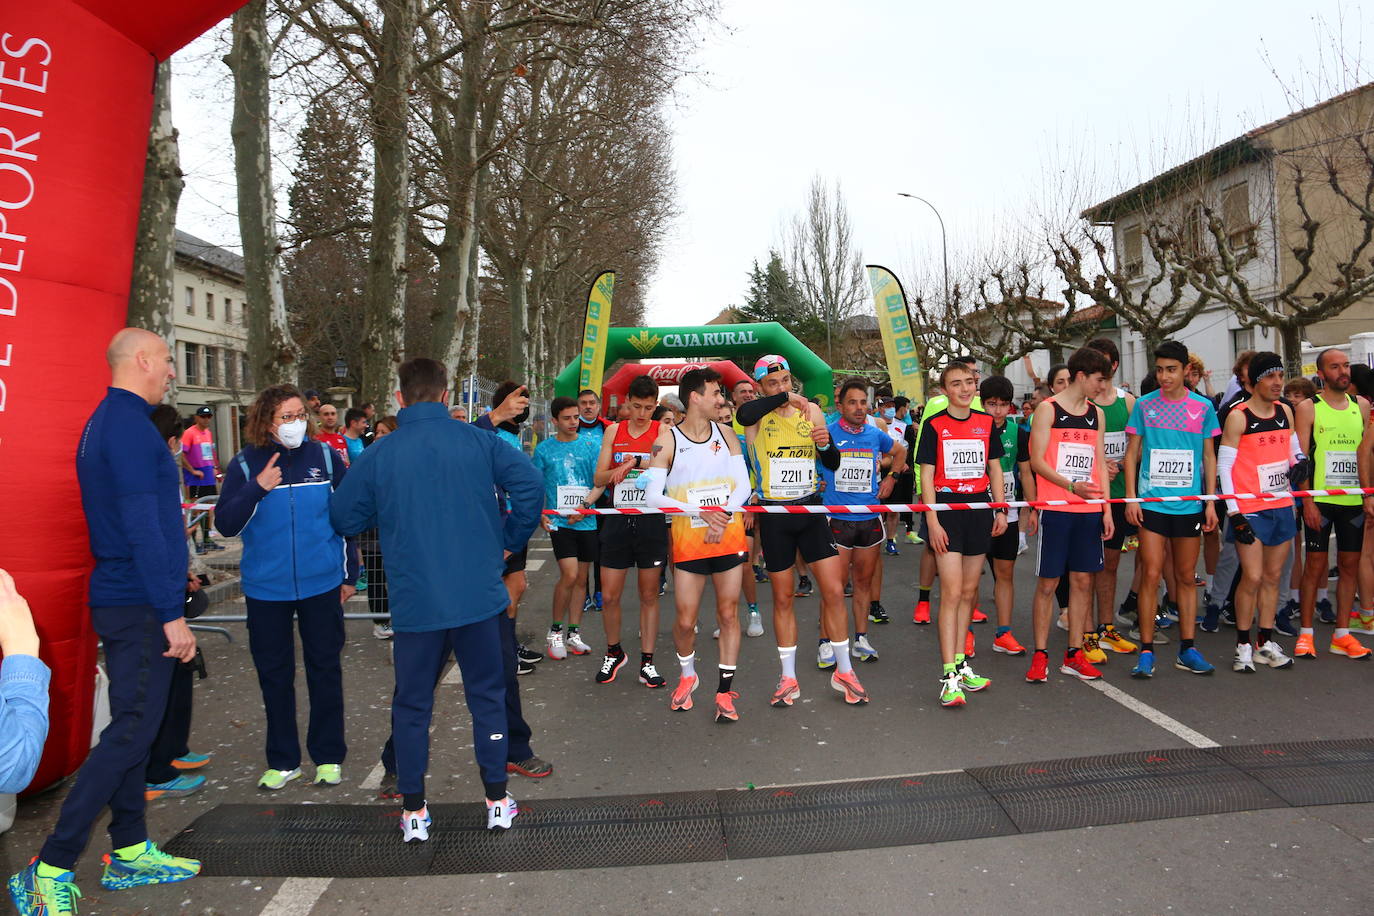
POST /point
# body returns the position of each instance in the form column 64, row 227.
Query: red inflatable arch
column 667, row 375
column 76, row 82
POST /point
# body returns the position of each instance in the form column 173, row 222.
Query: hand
column 270, row 475
column 885, row 488
column 17, row 635
column 181, row 642
column 1113, row 468
column 198, row 473
column 621, row 471
column 1032, row 517
column 999, row 524
column 820, row 434
column 936, row 537
column 748, row 521
column 347, row 591
column 1369, row 507
column 1087, row 489
column 1240, row 527
column 1134, row 514
column 1209, row 517
column 1311, row 515
column 516, row 403
column 192, row 582
column 797, row 401
column 545, row 522
column 1108, row 525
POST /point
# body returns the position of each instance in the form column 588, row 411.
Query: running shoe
column 825, row 656
column 951, row 690
column 922, row 613
column 557, row 649
column 415, row 825
column 1078, row 666
column 913, row 538
column 969, row 645
column 1325, row 612
column 1283, row 620
column 1272, row 655
column 978, row 617
column 1361, row 622
column 788, row 692
column 849, row 590
column 151, row 866
column 533, row 767
column 35, row 896
column 725, row 706
column 1144, row 666
column 1244, row 662
column 649, row 676
column 1198, row 581
column 1159, row 638
column 682, row 694
column 1007, row 645
column 1228, row 614
column 1305, row 647
column 1062, row 621
column 1348, row 646
column 1211, row 619
column 501, row 813
column 523, row 667
column 382, row 631
column 804, row 588
column 715, row 634
column 328, row 774
column 610, row 666
column 755, row 625
column 1112, row 639
column 588, row 605
column 970, row 681
column 596, row 601
column 759, row 574
column 576, row 646
column 191, row 761
column 662, row 587
column 1092, row 650
column 1163, row 621
column 863, row 650
column 272, row 780
column 1170, row 610
column 877, row 613
column 1191, row 660
column 526, row 655
column 1039, row 671
column 848, row 684
column 1127, row 610
column 890, row 548
column 1022, row 546
column 176, row 787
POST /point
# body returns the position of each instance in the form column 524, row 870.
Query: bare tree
column 151, row 292
column 822, row 257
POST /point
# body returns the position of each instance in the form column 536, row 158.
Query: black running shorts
column 569, row 543
column 1346, row 521
column 782, row 536
column 709, row 565
column 633, row 540
column 1006, row 544
column 856, row 535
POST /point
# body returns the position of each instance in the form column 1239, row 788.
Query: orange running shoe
column 968, row 644
column 1039, row 671
column 788, row 691
column 979, row 616
column 682, row 694
column 1304, row 647
column 848, row 684
column 1007, row 643
column 725, row 706
column 922, row 612
column 1349, row 646
column 1078, row 666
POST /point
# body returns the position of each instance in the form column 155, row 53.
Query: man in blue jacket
column 430, row 490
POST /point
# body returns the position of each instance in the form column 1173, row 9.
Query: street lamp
column 340, row 369
column 944, row 244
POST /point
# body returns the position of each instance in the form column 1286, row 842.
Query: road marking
column 373, row 780
column 534, row 565
column 454, row 676
column 1168, row 723
column 296, row 897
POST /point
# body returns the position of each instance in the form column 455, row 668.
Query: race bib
column 1171, row 467
column 855, row 474
column 1075, row 460
column 1115, row 446
column 627, row 495
column 791, row 478
column 1273, row 477
column 965, row 458
column 1342, row 470
column 207, row 452
column 571, row 497
column 1008, row 487
column 715, row 494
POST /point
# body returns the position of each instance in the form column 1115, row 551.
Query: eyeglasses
column 291, row 417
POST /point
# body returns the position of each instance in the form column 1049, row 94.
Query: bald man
column 130, row 495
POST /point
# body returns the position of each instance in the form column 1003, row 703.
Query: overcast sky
column 969, row 105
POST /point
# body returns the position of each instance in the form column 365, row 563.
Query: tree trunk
column 151, row 293
column 514, row 274
column 1290, row 341
column 271, row 351
column 384, row 297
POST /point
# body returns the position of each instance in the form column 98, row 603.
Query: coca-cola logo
column 672, row 373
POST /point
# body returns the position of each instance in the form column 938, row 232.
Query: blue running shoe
column 1164, row 621
column 37, row 896
column 176, row 787
column 191, row 761
column 891, row 548
column 152, row 866
column 1283, row 620
column 1191, row 659
column 1144, row 667
column 1325, row 612
column 1211, row 619
column 1170, row 610
column 597, row 598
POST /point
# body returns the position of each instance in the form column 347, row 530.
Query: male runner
column 1169, row 453
column 695, row 464
column 1330, row 427
column 639, row 541
column 1116, row 407
column 862, row 447
column 1258, row 446
column 996, row 392
column 959, row 457
column 568, row 463
column 1067, row 455
column 742, row 393
column 787, row 435
column 898, row 417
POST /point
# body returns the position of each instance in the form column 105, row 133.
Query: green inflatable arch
column 728, row 340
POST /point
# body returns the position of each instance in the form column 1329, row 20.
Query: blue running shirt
column 1172, row 434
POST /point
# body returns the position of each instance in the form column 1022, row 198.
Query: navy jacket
column 290, row 550
column 429, row 488
column 131, row 493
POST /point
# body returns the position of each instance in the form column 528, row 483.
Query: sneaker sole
column 513, row 768
column 653, row 686
column 279, row 787
column 864, row 658
column 1193, row 670
column 583, row 652
column 1119, row 651
column 780, row 702
column 1243, row 669
column 726, row 717
column 997, row 648
column 1358, row 658
column 614, row 671
column 951, row 704
column 850, row 697
column 1282, row 666
column 124, row 884
column 1037, row 680
column 969, row 688
column 1073, row 672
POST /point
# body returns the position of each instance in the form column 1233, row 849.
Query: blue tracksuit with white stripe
column 293, row 564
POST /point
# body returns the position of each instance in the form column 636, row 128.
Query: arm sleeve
column 238, row 499
column 23, row 719
column 654, row 481
column 135, row 483
column 515, row 474
column 1295, row 453
column 484, row 422
column 352, row 561
column 752, row 412
column 739, row 470
column 353, row 505
column 829, row 457
column 1226, row 461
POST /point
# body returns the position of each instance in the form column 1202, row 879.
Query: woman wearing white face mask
column 276, row 497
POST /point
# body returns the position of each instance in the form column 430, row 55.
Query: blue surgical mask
column 890, row 413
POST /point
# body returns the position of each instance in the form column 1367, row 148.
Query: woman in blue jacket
column 276, row 496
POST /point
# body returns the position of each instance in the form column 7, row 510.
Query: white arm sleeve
column 742, row 491
column 1226, row 460
column 1294, row 450
column 654, row 497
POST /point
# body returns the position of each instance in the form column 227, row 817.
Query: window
column 191, row 364
column 245, row 372
column 211, row 367
column 190, row 300
column 1235, row 215
column 210, row 306
column 231, row 369
column 1242, row 339
column 1132, row 253
column 1193, row 233
column 228, row 310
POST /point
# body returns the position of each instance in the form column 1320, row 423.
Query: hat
column 770, row 363
column 1261, row 364
column 204, row 412
column 310, row 393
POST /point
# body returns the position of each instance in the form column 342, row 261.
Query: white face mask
column 292, row 434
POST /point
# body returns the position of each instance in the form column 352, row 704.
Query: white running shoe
column 1062, row 621
column 1021, row 546
column 825, row 656
column 501, row 813
column 1245, row 659
column 715, row 634
column 381, row 631
column 1272, row 655
column 862, row 650
column 415, row 825
column 755, row 627
column 575, row 644
column 556, row 647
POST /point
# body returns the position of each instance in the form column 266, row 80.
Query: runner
column 1067, row 455
column 996, row 392
column 742, row 393
column 639, row 541
column 698, row 463
column 1169, row 453
column 862, row 447
column 898, row 417
column 1330, row 428
column 1116, row 407
column 1258, row 446
column 958, row 455
column 787, row 435
column 568, row 463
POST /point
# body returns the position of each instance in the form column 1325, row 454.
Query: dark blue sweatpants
column 113, row 773
column 418, row 659
column 271, row 640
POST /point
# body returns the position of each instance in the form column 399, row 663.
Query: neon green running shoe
column 970, row 681
column 273, row 780
column 951, row 694
column 152, row 866
column 328, row 774
column 37, row 896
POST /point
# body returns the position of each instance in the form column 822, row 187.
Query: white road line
column 296, row 897
column 454, row 676
column 534, row 565
column 373, row 780
column 1168, row 723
